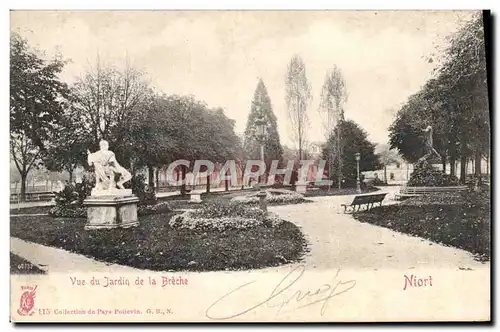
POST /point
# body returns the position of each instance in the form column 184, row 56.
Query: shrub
column 160, row 207
column 146, row 195
column 69, row 201
column 426, row 176
column 84, row 189
column 66, row 197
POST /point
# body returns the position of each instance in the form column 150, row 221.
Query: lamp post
column 358, row 182
column 261, row 134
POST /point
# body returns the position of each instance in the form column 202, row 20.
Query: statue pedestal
column 110, row 211
column 111, row 192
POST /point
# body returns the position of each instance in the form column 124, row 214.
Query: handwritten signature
column 284, row 297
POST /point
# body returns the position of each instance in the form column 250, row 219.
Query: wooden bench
column 366, row 199
column 408, row 192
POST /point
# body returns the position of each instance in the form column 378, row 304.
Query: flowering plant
column 222, row 215
column 273, row 196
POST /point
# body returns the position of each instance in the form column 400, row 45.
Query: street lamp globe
column 358, row 156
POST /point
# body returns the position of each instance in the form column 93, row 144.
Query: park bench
column 408, row 192
column 367, row 199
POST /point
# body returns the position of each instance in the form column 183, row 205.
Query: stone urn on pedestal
column 110, row 205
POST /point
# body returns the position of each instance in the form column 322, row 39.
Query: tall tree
column 356, row 141
column 67, row 148
column 455, row 103
column 465, row 75
column 261, row 108
column 297, row 98
column 333, row 97
column 36, row 104
column 105, row 100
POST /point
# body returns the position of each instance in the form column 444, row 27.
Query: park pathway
column 335, row 239
column 54, row 260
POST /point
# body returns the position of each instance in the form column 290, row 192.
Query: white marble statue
column 106, row 167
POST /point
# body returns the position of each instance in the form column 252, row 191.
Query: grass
column 154, row 245
column 460, row 220
column 19, row 265
column 337, row 192
column 31, row 210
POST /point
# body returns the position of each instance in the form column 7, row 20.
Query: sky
column 218, row 56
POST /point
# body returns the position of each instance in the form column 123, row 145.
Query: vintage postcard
column 250, row 166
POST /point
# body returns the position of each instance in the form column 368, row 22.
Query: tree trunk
column 339, row 158
column 385, row 174
column 157, row 178
column 151, row 175
column 477, row 170
column 443, row 162
column 452, row 166
column 330, row 169
column 226, row 184
column 70, row 172
column 463, row 169
column 23, row 186
column 477, row 163
column 183, row 186
column 208, row 183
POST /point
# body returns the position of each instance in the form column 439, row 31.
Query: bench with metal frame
column 367, row 200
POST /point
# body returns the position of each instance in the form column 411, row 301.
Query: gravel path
column 337, row 239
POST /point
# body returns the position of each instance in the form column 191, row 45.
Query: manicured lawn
column 458, row 220
column 155, row 245
column 19, row 265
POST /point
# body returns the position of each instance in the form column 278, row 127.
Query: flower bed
column 188, row 220
column 155, row 245
column 68, row 211
column 223, row 216
column 274, row 196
